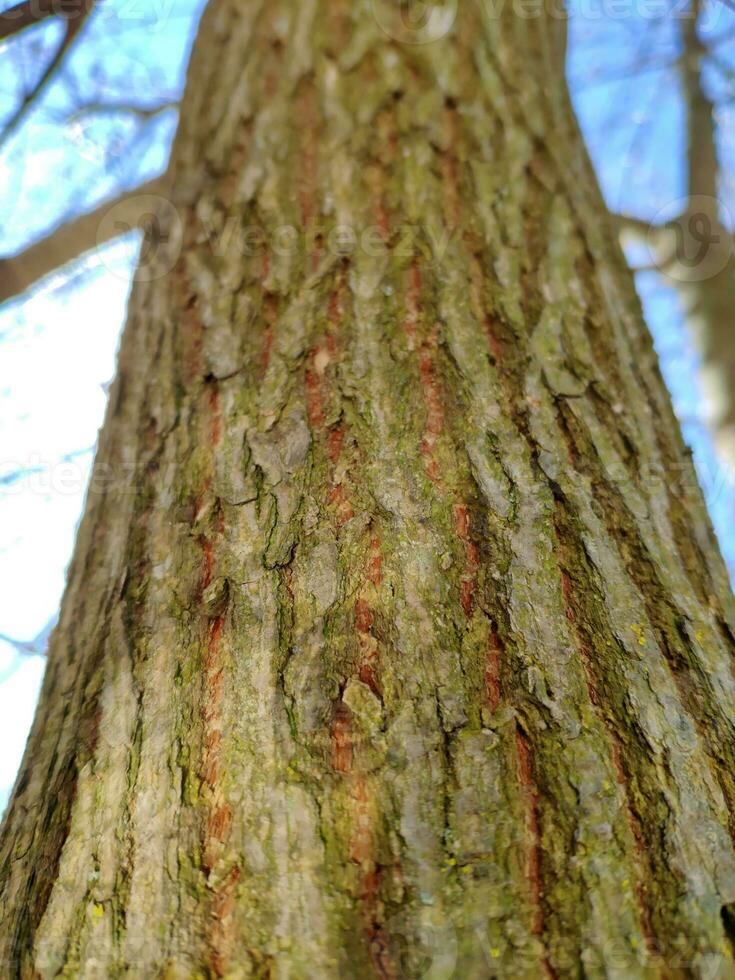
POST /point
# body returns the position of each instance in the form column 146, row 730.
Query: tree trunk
column 395, row 642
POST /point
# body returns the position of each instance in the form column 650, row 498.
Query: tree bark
column 395, row 642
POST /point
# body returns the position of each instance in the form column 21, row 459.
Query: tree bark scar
column 533, row 863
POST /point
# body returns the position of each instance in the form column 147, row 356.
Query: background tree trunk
column 395, row 642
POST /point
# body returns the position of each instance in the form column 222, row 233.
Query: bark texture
column 403, row 648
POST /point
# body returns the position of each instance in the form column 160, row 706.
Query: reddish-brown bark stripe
column 335, row 440
column 193, row 337
column 319, row 359
column 363, row 616
column 413, row 297
column 493, row 689
column 481, row 313
column 214, row 412
column 434, row 408
column 222, row 907
column 314, row 394
column 375, row 561
column 207, row 563
column 270, row 315
column 640, row 850
column 219, row 814
column 433, row 428
column 341, row 738
column 361, row 847
column 533, row 865
column 468, row 581
column 307, row 182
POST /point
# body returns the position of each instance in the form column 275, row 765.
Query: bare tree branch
column 703, row 169
column 122, row 108
column 694, row 249
column 69, row 241
column 74, row 21
column 35, row 647
column 629, row 223
column 23, row 15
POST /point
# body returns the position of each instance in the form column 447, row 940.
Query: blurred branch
column 70, row 240
column 694, row 249
column 722, row 67
column 7, row 479
column 23, row 15
column 122, row 108
column 75, row 20
column 702, row 161
column 35, row 647
column 637, row 226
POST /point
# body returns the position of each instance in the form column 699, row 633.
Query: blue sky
column 58, row 345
